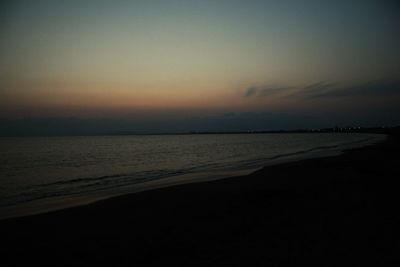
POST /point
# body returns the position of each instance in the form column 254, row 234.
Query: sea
column 39, row 174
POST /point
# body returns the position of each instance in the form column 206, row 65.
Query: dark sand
column 329, row 211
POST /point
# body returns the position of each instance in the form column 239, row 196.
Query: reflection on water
column 40, row 168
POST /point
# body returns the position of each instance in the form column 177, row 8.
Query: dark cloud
column 250, row 91
column 311, row 90
column 325, row 89
column 374, row 89
column 266, row 91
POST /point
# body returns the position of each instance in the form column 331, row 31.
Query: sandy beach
column 326, row 211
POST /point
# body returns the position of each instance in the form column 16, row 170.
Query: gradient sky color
column 155, row 59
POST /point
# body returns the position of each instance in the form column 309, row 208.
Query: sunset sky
column 333, row 62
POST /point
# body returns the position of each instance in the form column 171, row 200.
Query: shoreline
column 323, row 211
column 42, row 206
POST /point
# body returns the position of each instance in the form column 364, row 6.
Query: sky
column 183, row 65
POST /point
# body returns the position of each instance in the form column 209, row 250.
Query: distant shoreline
column 349, row 129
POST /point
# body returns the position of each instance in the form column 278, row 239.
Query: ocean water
column 44, row 170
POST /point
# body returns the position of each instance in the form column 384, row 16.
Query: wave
column 84, row 185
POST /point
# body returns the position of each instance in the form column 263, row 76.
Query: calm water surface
column 45, row 168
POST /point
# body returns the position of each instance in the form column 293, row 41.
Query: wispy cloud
column 375, row 89
column 326, row 89
column 313, row 89
column 263, row 91
column 251, row 91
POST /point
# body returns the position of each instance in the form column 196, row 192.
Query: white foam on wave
column 62, row 202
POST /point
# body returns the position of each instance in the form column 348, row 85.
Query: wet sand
column 327, row 211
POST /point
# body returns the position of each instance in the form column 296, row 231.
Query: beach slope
column 326, row 211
